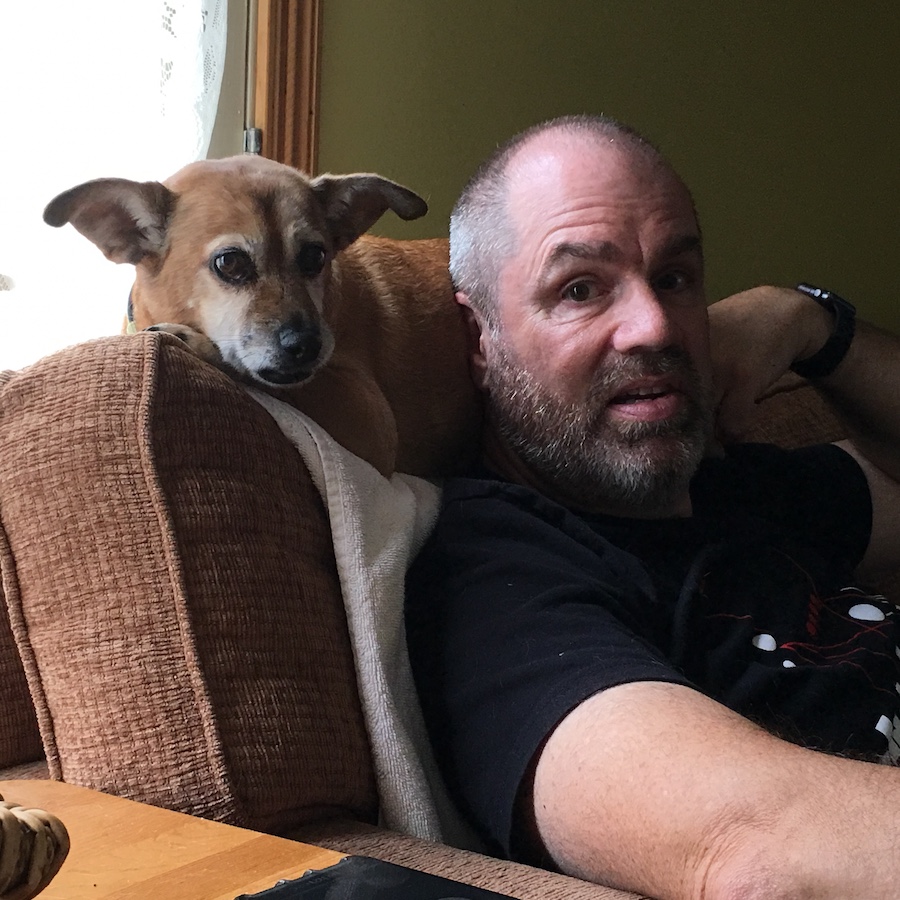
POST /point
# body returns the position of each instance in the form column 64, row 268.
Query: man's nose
column 644, row 323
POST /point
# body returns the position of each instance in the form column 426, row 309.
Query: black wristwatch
column 835, row 348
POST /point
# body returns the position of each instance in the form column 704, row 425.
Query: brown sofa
column 175, row 631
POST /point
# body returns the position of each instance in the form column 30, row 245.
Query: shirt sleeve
column 819, row 493
column 516, row 613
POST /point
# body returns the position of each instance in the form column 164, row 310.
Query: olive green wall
column 781, row 116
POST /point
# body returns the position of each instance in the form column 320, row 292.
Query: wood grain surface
column 122, row 850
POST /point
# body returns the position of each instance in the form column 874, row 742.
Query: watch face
column 828, row 299
column 809, row 289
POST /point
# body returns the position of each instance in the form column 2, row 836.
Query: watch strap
column 826, row 360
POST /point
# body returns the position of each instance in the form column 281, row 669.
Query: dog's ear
column 354, row 203
column 125, row 219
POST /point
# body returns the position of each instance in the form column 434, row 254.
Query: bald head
column 482, row 233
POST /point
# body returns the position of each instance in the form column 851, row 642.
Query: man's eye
column 234, row 266
column 581, row 291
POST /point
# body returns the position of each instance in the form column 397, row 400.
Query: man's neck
column 502, row 459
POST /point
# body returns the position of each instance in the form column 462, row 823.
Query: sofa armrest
column 514, row 879
column 793, row 414
column 172, row 590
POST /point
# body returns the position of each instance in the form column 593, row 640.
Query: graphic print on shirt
column 794, row 648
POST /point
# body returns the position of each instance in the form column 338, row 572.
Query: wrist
column 813, row 326
column 830, row 332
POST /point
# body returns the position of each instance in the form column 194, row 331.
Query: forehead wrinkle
column 601, row 251
column 607, row 251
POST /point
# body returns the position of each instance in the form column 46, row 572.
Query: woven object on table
column 33, row 845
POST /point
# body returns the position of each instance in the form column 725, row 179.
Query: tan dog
column 258, row 268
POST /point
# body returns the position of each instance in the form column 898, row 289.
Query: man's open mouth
column 648, row 402
column 640, row 395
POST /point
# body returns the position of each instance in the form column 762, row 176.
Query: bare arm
column 758, row 334
column 656, row 788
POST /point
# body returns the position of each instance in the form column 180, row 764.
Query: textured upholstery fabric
column 792, row 414
column 20, row 740
column 172, row 590
column 35, row 769
column 516, row 880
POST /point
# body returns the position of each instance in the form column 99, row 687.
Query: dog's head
column 239, row 249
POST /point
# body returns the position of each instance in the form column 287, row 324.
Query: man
column 633, row 646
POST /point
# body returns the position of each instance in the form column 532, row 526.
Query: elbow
column 748, row 867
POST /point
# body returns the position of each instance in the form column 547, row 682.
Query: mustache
column 621, row 369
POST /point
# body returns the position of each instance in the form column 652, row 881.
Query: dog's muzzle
column 299, row 348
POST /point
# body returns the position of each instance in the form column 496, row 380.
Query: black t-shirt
column 518, row 610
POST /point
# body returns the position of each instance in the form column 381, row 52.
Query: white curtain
column 90, row 89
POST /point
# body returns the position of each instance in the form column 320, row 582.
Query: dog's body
column 259, row 269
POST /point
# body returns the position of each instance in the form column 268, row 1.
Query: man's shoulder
column 754, row 466
column 482, row 514
column 482, row 484
column 481, row 492
column 817, row 492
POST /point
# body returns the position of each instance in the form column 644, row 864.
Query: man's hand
column 755, row 337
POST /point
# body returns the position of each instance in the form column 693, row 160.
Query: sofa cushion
column 173, row 590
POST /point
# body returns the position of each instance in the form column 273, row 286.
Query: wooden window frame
column 286, row 80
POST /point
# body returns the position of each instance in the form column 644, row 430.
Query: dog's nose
column 302, row 342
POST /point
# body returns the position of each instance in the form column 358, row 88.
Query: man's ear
column 479, row 339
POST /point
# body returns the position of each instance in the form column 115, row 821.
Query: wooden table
column 122, row 850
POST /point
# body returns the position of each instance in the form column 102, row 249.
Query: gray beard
column 629, row 468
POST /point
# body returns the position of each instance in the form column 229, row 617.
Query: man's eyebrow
column 602, row 251
column 688, row 243
column 607, row 251
column 565, row 251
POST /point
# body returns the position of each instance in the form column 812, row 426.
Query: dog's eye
column 234, row 266
column 311, row 259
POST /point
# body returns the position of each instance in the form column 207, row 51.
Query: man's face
column 598, row 373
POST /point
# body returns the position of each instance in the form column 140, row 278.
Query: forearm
column 757, row 335
column 864, row 391
column 835, row 839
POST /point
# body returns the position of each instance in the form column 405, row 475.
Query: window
column 93, row 89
